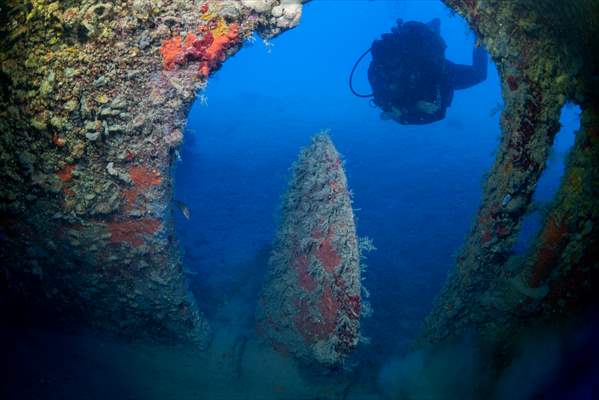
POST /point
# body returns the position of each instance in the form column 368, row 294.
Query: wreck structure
column 546, row 57
column 93, row 101
column 311, row 302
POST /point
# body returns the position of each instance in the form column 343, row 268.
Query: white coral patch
column 259, row 6
column 288, row 13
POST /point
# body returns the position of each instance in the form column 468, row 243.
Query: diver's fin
column 435, row 25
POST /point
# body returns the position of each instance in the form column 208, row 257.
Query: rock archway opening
column 416, row 188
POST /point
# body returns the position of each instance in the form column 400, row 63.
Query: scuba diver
column 412, row 82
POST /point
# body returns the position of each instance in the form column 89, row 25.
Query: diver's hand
column 427, row 107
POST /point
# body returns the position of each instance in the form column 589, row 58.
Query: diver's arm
column 465, row 76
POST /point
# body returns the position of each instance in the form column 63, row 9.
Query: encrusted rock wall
column 311, row 302
column 546, row 56
column 93, row 103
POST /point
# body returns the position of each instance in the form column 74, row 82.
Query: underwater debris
column 311, row 303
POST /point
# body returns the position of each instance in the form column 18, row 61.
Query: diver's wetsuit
column 412, row 82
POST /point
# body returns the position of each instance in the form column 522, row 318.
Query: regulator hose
column 351, row 75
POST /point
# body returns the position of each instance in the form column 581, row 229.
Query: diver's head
column 435, row 25
column 422, row 39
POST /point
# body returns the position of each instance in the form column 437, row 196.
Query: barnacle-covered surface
column 311, row 302
column 546, row 56
column 93, row 101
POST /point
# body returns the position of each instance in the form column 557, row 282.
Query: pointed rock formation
column 310, row 304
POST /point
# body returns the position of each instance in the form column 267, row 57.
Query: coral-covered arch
column 93, row 101
column 546, row 56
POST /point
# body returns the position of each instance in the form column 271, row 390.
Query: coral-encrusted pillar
column 310, row 305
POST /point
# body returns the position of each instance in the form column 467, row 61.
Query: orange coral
column 317, row 327
column 549, row 251
column 209, row 50
column 58, row 141
column 175, row 51
column 66, row 174
column 215, row 54
column 143, row 178
column 326, row 253
column 132, row 231
column 172, row 52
